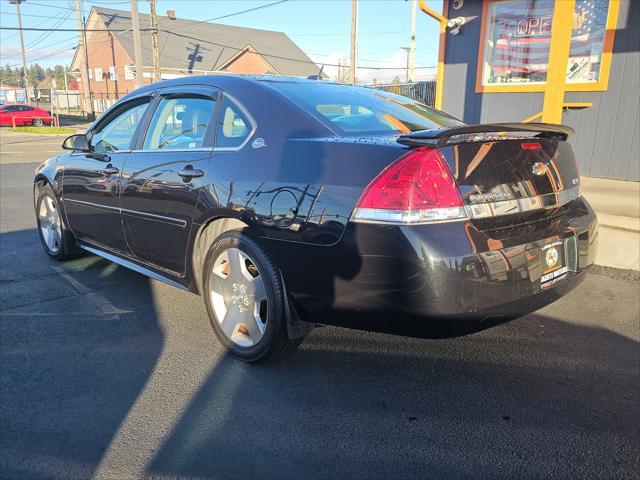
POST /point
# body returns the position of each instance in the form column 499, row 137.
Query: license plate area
column 553, row 259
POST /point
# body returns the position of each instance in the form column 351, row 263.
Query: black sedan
column 288, row 203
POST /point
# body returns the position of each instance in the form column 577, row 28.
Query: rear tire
column 244, row 297
column 58, row 242
column 37, row 122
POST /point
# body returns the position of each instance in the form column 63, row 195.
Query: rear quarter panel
column 303, row 185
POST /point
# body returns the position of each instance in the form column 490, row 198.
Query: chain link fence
column 423, row 92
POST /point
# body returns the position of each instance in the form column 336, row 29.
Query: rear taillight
column 417, row 188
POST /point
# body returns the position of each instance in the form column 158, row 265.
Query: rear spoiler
column 442, row 136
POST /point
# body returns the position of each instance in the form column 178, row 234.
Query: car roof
column 223, row 80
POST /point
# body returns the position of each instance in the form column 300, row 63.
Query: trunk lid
column 507, row 162
column 504, row 170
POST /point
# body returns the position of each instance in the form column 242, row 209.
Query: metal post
column 137, row 47
column 24, row 56
column 154, row 41
column 354, row 42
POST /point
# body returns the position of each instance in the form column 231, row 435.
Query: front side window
column 233, row 126
column 179, row 123
column 116, row 133
column 518, row 38
column 359, row 110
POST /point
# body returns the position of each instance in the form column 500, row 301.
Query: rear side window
column 359, row 110
column 233, row 126
column 117, row 131
column 179, row 123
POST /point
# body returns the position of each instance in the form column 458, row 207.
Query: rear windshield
column 360, row 110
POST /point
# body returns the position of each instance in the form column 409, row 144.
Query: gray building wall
column 607, row 141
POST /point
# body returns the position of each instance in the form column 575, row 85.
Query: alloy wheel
column 239, row 297
column 50, row 224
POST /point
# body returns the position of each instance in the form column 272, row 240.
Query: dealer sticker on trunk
column 552, row 259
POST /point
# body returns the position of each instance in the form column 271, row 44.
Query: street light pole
column 87, row 103
column 24, row 56
column 406, row 70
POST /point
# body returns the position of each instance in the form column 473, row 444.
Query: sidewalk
column 617, row 204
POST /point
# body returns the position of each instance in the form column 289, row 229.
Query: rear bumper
column 439, row 280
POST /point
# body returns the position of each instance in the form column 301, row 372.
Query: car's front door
column 161, row 179
column 91, row 179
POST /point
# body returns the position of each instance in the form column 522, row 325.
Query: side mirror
column 78, row 142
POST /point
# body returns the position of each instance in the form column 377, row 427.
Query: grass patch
column 45, row 130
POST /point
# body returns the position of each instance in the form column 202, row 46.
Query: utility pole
column 406, row 70
column 354, row 42
column 24, row 56
column 137, row 47
column 154, row 41
column 412, row 45
column 87, row 104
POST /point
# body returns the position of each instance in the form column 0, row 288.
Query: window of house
column 113, row 73
column 179, row 123
column 90, row 74
column 98, row 74
column 517, row 41
column 233, row 126
column 128, row 72
column 116, row 131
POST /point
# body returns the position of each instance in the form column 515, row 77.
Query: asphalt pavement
column 105, row 373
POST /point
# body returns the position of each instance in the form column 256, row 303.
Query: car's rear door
column 163, row 175
column 7, row 113
column 91, row 180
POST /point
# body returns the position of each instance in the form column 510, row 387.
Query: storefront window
column 518, row 36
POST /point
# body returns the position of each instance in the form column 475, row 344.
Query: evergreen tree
column 58, row 74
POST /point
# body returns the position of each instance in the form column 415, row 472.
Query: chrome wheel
column 37, row 122
column 50, row 225
column 239, row 297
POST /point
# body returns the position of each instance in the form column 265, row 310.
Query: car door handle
column 189, row 173
column 109, row 170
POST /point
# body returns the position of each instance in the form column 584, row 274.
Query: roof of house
column 215, row 44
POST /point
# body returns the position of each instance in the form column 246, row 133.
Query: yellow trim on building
column 442, row 21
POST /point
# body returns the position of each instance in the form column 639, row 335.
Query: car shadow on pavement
column 537, row 397
column 78, row 343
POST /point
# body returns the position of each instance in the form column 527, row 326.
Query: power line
column 34, row 29
column 51, row 6
column 277, row 56
column 234, row 13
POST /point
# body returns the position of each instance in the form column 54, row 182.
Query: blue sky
column 320, row 27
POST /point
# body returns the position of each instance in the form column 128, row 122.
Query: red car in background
column 20, row 115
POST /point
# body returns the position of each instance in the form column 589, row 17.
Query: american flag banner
column 519, row 35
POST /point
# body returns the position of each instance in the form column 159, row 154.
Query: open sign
column 534, row 27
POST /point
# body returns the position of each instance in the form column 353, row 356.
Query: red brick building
column 187, row 47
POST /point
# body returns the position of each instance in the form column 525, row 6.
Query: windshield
column 360, row 110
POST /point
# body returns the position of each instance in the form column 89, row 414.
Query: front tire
column 56, row 240
column 244, row 297
column 37, row 122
